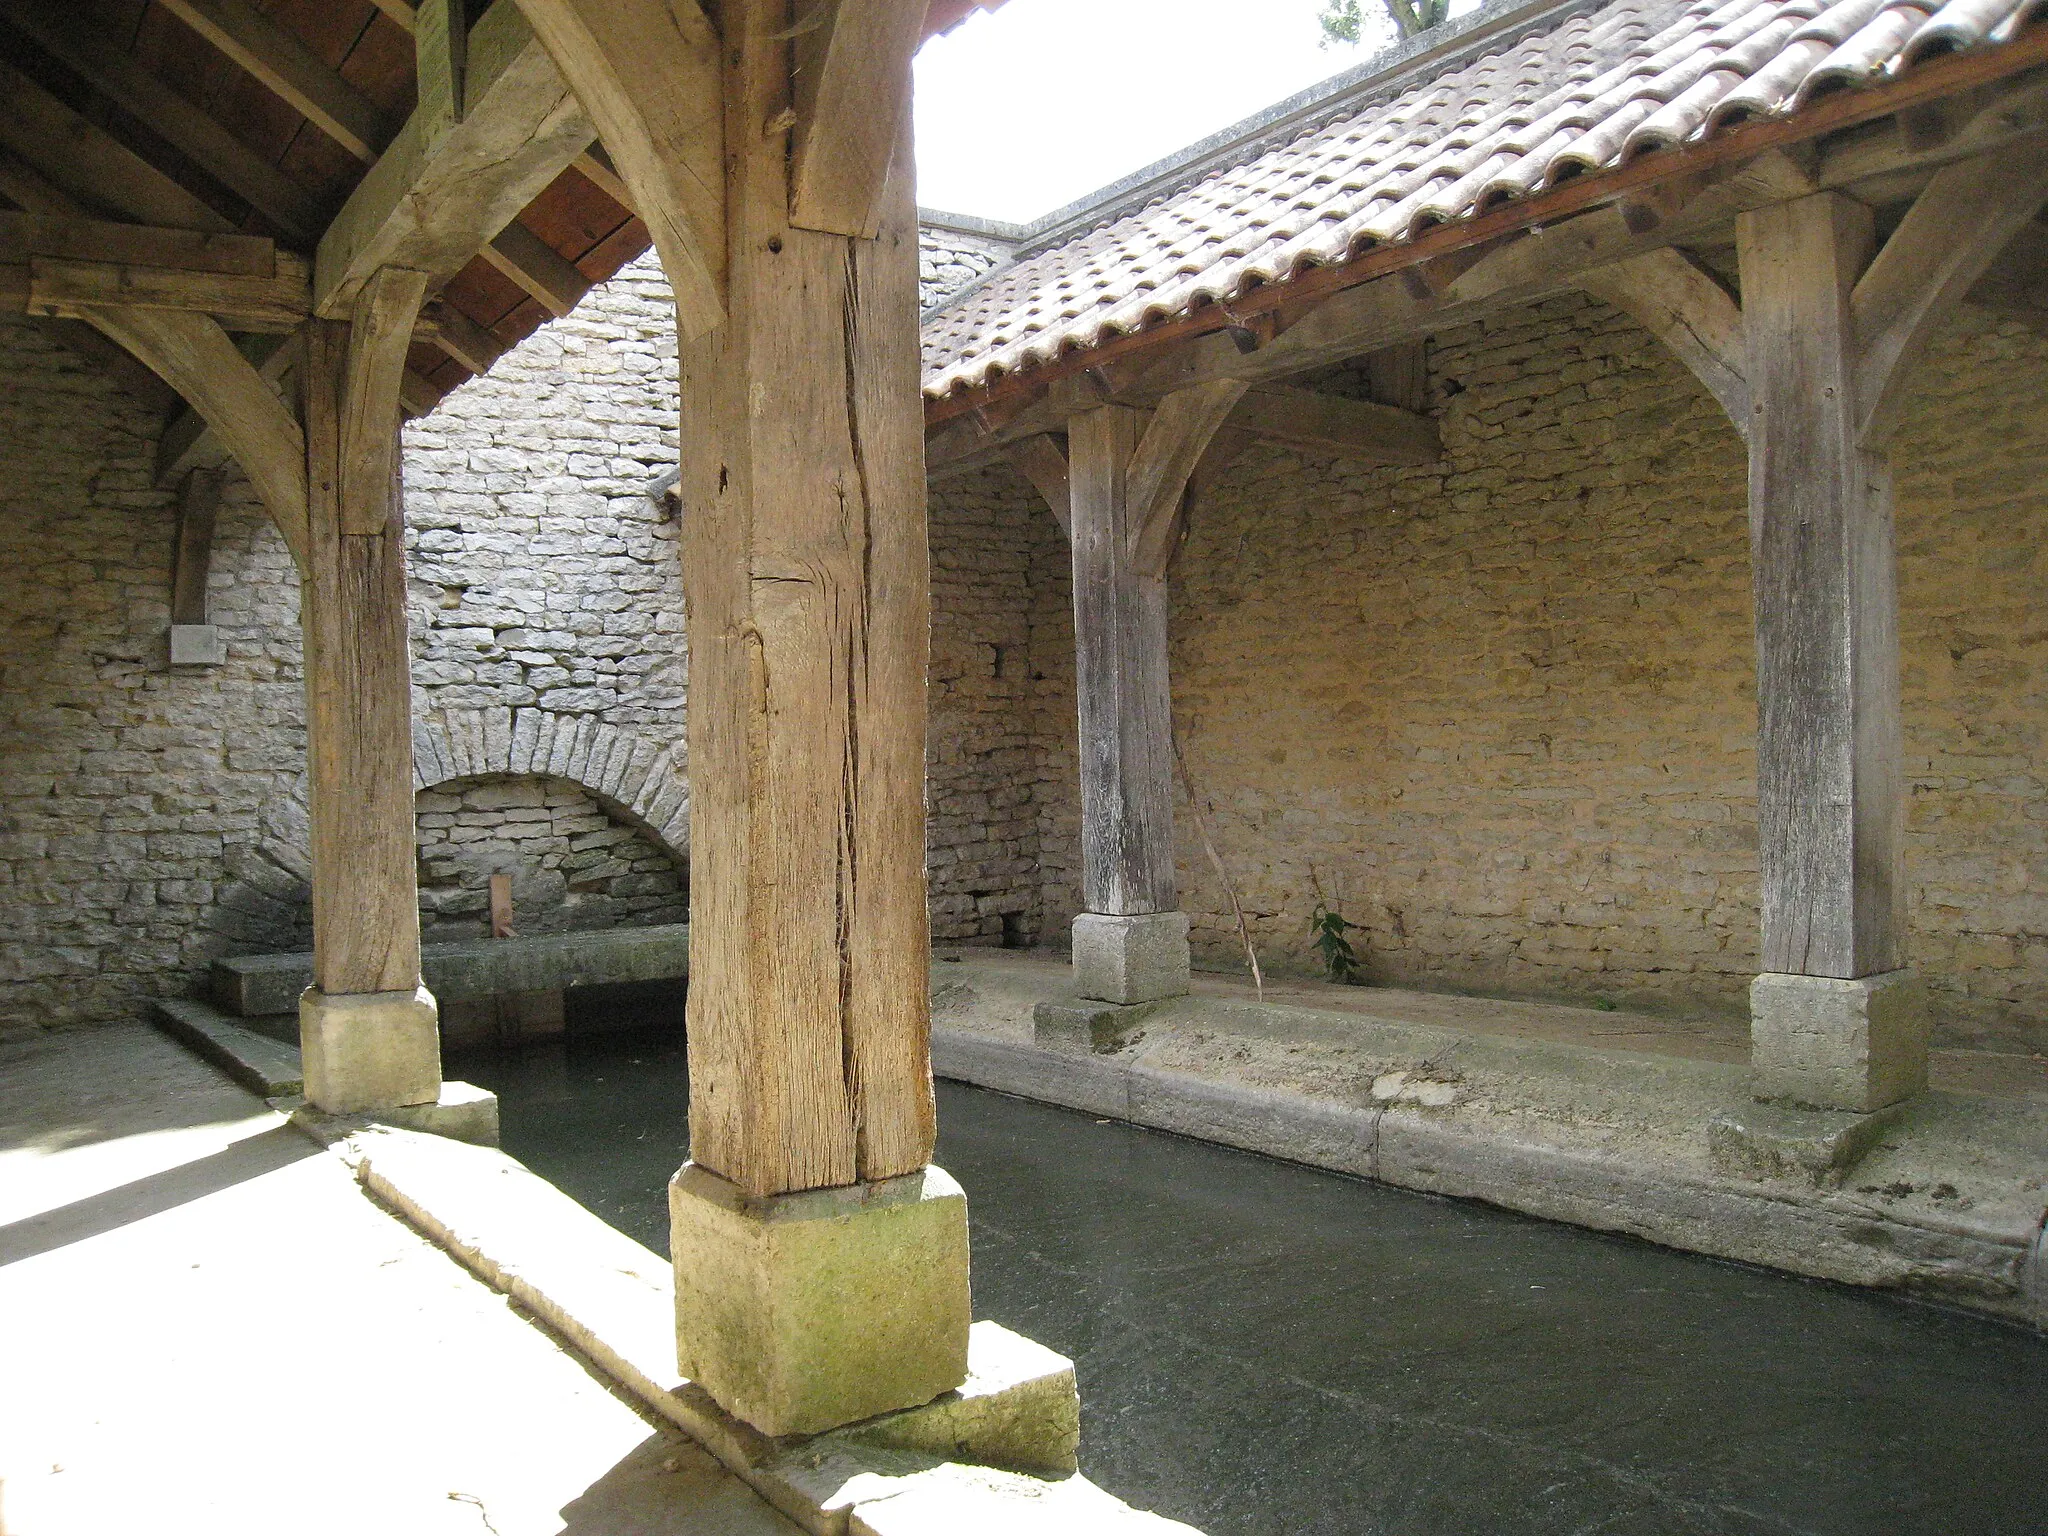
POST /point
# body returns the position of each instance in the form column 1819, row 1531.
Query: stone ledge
column 253, row 985
column 1982, row 1250
column 1770, row 1141
column 267, row 1068
column 952, row 1465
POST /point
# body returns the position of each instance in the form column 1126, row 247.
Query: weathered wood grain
column 1948, row 239
column 1120, row 642
column 852, row 79
column 1358, row 429
column 807, row 585
column 1042, row 461
column 1830, row 798
column 68, row 288
column 379, row 333
column 358, row 699
column 1171, row 445
column 442, row 191
column 192, row 555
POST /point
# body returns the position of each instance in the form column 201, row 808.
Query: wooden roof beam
column 1354, row 429
column 141, row 94
column 538, row 267
column 856, row 56
column 290, row 71
column 63, row 163
column 443, row 191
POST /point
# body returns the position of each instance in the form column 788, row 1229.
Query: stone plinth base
column 1076, row 1021
column 365, row 1051
column 1769, row 1141
column 463, row 1112
column 1137, row 959
column 1822, row 1043
column 802, row 1312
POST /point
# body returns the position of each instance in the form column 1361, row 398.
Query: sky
column 1027, row 108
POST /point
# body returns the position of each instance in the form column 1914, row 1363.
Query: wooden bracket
column 852, row 89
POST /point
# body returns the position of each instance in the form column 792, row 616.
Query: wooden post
column 1120, row 679
column 1127, row 476
column 367, row 1026
column 1833, row 1019
column 808, row 593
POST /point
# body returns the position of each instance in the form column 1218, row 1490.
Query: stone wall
column 132, row 794
column 1501, row 711
column 949, row 259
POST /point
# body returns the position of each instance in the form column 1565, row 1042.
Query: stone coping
column 996, row 1456
column 465, row 969
column 1944, row 1200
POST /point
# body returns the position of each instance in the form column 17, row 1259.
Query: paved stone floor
column 206, row 1326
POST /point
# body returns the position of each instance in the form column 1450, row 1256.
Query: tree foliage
column 1343, row 21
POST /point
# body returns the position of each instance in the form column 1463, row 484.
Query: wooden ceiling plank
column 434, row 200
column 289, row 70
column 87, row 165
column 858, row 56
column 537, row 267
column 138, row 92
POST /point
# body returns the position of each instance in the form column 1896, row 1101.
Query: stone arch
column 635, row 778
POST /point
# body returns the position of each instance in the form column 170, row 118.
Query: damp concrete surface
column 1268, row 1348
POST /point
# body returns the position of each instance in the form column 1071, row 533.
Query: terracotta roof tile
column 1587, row 93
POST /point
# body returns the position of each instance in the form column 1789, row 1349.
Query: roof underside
column 129, row 68
column 1584, row 94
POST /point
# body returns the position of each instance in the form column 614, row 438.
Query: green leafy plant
column 1326, row 930
column 1343, row 21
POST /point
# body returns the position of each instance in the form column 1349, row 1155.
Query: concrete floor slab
column 210, row 1328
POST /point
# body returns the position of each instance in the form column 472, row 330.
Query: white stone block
column 1131, row 959
column 365, row 1051
column 197, row 645
column 1821, row 1042
column 803, row 1312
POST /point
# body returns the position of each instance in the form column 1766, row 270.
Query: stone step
column 252, row 985
column 266, row 1067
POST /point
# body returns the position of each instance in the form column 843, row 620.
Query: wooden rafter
column 537, row 267
column 85, row 165
column 141, row 94
column 290, row 70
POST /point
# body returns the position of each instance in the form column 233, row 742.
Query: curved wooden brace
column 1680, row 303
column 193, row 355
column 647, row 72
column 379, row 333
column 1174, row 442
column 1954, row 231
column 1040, row 460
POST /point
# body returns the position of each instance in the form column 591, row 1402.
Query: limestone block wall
column 950, row 259
column 132, row 794
column 1501, row 710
